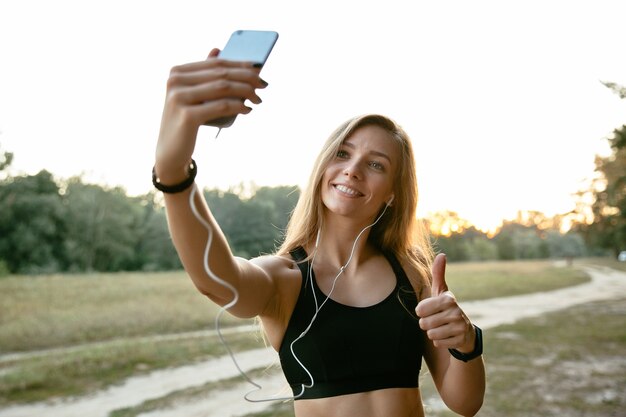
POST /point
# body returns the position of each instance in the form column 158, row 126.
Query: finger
column 448, row 342
column 444, row 332
column 427, row 307
column 439, row 275
column 453, row 335
column 214, row 53
column 215, row 90
column 204, row 76
column 217, row 109
column 439, row 311
column 449, row 316
column 209, row 63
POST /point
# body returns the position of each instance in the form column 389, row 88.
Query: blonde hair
column 398, row 231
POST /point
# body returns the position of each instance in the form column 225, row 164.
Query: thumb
column 439, row 285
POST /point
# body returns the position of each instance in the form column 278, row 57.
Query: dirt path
column 604, row 284
column 7, row 357
column 136, row 390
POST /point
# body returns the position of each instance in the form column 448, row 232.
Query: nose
column 352, row 169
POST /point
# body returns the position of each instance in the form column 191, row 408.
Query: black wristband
column 192, row 170
column 478, row 348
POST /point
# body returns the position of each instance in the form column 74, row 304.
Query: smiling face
column 360, row 178
column 334, row 189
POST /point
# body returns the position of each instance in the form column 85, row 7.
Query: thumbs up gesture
column 441, row 318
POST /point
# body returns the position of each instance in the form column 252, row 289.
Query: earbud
column 317, row 240
column 390, row 200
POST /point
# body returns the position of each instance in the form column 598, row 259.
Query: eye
column 377, row 165
column 342, row 154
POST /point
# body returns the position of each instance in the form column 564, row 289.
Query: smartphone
column 248, row 46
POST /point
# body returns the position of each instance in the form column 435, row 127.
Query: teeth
column 346, row 190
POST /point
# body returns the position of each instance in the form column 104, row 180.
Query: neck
column 342, row 240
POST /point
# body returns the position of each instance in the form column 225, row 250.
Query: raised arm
column 198, row 92
column 461, row 383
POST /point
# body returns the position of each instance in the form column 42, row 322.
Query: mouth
column 347, row 191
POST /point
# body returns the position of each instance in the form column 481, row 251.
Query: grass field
column 51, row 311
column 608, row 262
column 63, row 311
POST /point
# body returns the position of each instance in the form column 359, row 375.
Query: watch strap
column 192, row 170
column 478, row 348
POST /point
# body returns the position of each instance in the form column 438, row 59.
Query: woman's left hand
column 441, row 318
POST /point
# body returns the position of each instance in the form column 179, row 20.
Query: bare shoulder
column 287, row 279
column 275, row 266
column 284, row 273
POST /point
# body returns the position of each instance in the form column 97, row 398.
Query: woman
column 339, row 301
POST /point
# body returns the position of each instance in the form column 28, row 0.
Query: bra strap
column 299, row 255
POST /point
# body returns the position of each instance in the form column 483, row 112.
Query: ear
column 390, row 200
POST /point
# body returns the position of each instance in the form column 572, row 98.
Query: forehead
column 374, row 139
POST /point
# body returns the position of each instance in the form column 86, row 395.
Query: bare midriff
column 396, row 402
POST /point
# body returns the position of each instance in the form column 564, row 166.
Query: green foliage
column 253, row 226
column 525, row 241
column 154, row 248
column 5, row 160
column 453, row 246
column 513, row 241
column 46, row 228
column 569, row 245
column 609, row 207
column 32, row 224
column 101, row 235
column 480, row 248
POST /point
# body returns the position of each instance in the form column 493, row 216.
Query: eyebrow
column 377, row 153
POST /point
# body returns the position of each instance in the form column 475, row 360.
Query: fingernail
column 263, row 82
column 257, row 65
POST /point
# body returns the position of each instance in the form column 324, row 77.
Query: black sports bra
column 352, row 349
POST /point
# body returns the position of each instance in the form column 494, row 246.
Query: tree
column 5, row 161
column 154, row 250
column 568, row 245
column 32, row 224
column 253, row 226
column 520, row 241
column 480, row 248
column 280, row 201
column 459, row 239
column 6, row 158
column 102, row 231
column 608, row 228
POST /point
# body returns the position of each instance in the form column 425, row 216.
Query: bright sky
column 502, row 99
